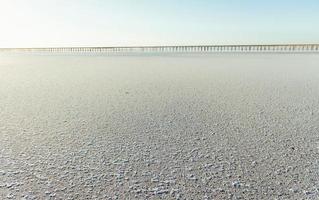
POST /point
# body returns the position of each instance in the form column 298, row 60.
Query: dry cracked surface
column 217, row 126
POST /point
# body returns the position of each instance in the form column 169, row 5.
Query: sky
column 54, row 23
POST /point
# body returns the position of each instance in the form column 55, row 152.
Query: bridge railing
column 200, row 48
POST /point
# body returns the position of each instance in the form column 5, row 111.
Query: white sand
column 218, row 126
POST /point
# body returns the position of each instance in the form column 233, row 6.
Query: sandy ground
column 218, row 126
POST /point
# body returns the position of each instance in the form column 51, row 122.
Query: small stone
column 254, row 163
column 168, row 182
column 173, row 191
column 52, row 195
column 236, row 184
column 191, row 177
column 208, row 165
column 189, row 169
column 154, row 180
column 10, row 196
column 9, row 185
column 308, row 192
column 138, row 191
column 294, row 190
column 162, row 192
column 193, row 150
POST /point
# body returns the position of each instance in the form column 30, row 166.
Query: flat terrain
column 171, row 126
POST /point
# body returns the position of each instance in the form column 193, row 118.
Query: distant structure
column 198, row 48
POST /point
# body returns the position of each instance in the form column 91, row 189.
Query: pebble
column 306, row 192
column 52, row 195
column 161, row 191
column 9, row 185
column 173, row 191
column 154, row 180
column 236, row 184
column 208, row 165
column 138, row 191
column 254, row 163
column 169, row 182
column 10, row 196
column 191, row 177
column 294, row 190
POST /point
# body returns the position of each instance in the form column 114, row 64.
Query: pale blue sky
column 36, row 23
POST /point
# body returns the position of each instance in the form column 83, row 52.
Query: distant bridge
column 197, row 48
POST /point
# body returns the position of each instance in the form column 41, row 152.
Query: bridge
column 197, row 48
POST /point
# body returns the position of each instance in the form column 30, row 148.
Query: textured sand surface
column 219, row 126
